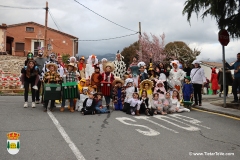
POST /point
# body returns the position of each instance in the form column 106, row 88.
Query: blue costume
column 187, row 91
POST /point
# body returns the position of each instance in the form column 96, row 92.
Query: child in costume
column 160, row 89
column 89, row 105
column 81, row 84
column 176, row 75
column 176, row 103
column 134, row 70
column 70, row 77
column 119, row 93
column 167, row 102
column 142, row 74
column 145, row 103
column 187, row 89
column 30, row 75
column 107, row 76
column 96, row 78
column 157, row 105
column 29, row 58
column 99, row 107
column 83, row 96
column 130, row 89
column 81, row 67
column 147, row 86
column 52, row 76
column 134, row 104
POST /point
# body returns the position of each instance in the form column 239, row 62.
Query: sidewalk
column 207, row 106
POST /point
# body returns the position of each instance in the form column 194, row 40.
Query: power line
column 20, row 7
column 53, row 20
column 111, row 38
column 104, row 17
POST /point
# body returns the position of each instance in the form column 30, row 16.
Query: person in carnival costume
column 91, row 62
column 120, row 66
column 119, row 93
column 214, row 81
column 134, row 68
column 82, row 67
column 176, row 75
column 70, row 77
column 40, row 61
column 107, row 76
column 142, row 73
column 102, row 64
column 30, row 75
column 160, row 89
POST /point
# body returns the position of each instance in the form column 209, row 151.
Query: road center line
column 72, row 146
column 216, row 114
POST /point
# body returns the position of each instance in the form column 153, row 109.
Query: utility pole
column 45, row 36
column 140, row 46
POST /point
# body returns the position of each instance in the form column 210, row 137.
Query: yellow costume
column 80, row 87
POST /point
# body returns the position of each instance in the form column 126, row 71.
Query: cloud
column 156, row 16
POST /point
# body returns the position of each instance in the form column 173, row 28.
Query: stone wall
column 10, row 70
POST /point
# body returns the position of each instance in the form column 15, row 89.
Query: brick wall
column 21, row 35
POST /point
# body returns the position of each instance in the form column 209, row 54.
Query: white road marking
column 147, row 119
column 163, row 118
column 189, row 120
column 151, row 132
column 72, row 146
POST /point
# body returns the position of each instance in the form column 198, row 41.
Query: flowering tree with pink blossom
column 151, row 47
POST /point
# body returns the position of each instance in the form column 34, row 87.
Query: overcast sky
column 156, row 16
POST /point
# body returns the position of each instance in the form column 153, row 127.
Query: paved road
column 116, row 136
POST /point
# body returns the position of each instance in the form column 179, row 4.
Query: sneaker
column 22, row 86
column 25, row 105
column 35, row 87
column 37, row 102
column 33, row 105
column 133, row 113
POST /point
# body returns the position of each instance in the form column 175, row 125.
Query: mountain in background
column 108, row 56
column 229, row 60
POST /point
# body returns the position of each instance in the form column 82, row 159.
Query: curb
column 214, row 111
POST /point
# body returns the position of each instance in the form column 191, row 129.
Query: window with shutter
column 29, row 29
column 19, row 46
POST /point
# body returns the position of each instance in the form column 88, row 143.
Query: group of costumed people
column 135, row 90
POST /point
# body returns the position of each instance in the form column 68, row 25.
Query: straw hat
column 111, row 65
column 117, row 79
column 52, row 64
column 73, row 65
column 149, row 82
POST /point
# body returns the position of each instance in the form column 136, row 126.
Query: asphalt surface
column 116, row 136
